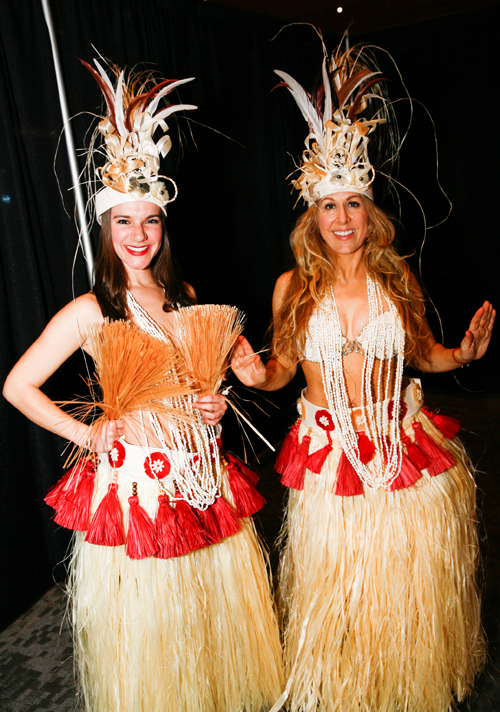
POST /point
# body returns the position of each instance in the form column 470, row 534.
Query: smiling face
column 343, row 222
column 136, row 233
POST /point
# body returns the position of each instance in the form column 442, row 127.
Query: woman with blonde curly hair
column 378, row 587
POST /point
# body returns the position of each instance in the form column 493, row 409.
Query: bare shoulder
column 284, row 279
column 190, row 291
column 84, row 309
column 281, row 288
column 75, row 318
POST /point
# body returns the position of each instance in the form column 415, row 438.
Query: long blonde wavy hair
column 315, row 271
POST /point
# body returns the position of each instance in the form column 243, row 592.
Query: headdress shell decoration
column 131, row 171
column 342, row 113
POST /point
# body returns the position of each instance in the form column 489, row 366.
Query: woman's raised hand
column 102, row 436
column 212, row 408
column 478, row 335
column 247, row 365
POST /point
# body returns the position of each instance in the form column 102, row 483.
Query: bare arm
column 473, row 346
column 249, row 367
column 63, row 335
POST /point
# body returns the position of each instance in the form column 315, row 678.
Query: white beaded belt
column 412, row 397
column 131, row 459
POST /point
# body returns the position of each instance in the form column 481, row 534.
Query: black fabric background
column 230, row 224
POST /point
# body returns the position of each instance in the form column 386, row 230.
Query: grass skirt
column 195, row 633
column 378, row 591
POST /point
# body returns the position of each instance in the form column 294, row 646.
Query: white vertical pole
column 70, row 147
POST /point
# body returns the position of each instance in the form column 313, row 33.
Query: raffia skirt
column 195, row 633
column 378, row 591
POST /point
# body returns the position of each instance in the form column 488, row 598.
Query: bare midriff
column 353, row 369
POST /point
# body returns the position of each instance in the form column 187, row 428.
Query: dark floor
column 36, row 665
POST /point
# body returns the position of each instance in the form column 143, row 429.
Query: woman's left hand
column 478, row 335
column 212, row 408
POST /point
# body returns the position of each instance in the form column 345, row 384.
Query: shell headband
column 131, row 171
column 342, row 113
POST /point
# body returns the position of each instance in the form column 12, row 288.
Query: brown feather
column 355, row 105
column 347, row 87
column 108, row 95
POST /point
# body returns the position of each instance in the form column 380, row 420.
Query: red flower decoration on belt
column 402, row 412
column 324, row 420
column 116, row 456
column 157, row 465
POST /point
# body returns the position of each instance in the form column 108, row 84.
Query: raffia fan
column 134, row 371
column 209, row 332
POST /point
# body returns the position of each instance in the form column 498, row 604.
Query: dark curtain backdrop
column 230, row 224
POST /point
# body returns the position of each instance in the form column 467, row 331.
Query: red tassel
column 366, row 447
column 73, row 505
column 247, row 499
column 106, row 527
column 226, row 518
column 408, row 475
column 141, row 535
column 189, row 523
column 440, row 459
column 293, row 474
column 348, row 483
column 56, row 490
column 52, row 496
column 247, row 473
column 446, row 424
column 170, row 536
column 316, row 460
column 288, row 448
column 418, row 458
column 209, row 524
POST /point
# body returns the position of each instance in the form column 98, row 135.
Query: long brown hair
column 315, row 271
column 110, row 277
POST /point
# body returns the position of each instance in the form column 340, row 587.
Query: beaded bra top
column 383, row 327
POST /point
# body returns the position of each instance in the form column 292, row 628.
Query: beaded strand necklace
column 386, row 463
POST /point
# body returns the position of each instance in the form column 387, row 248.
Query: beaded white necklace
column 198, row 476
column 386, row 463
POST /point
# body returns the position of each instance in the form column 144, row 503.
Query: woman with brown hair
column 171, row 604
column 378, row 589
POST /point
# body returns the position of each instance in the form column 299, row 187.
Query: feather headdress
column 342, row 113
column 132, row 167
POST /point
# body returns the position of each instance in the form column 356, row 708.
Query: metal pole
column 70, row 147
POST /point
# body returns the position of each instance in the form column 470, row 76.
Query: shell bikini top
column 385, row 328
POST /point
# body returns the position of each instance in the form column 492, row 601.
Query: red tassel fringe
column 195, row 536
column 106, row 527
column 418, row 458
column 316, row 460
column 243, row 469
column 446, row 424
column 440, row 459
column 226, row 518
column 247, row 499
column 288, row 448
column 366, row 447
column 73, row 505
column 348, row 483
column 408, row 474
column 141, row 535
column 209, row 524
column 52, row 496
column 293, row 474
column 170, row 536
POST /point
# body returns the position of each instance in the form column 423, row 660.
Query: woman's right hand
column 101, row 437
column 247, row 365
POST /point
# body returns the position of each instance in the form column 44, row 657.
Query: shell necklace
column 383, row 431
